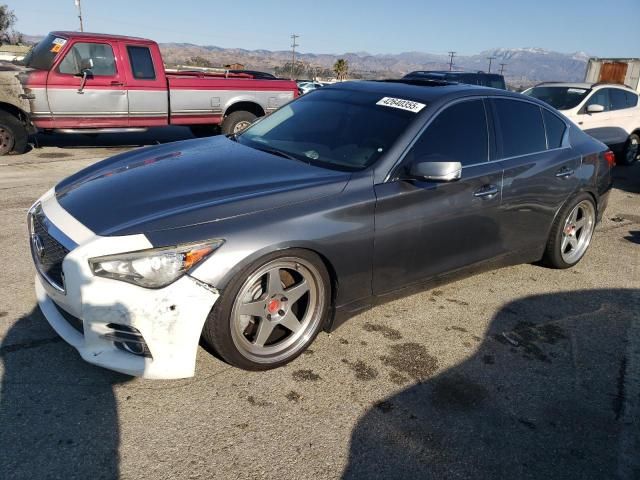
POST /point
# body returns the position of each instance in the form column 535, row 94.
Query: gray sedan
column 345, row 197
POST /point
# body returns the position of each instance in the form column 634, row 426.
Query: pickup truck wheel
column 237, row 122
column 13, row 135
column 631, row 150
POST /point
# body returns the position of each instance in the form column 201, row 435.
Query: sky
column 374, row 26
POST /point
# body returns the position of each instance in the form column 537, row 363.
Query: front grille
column 47, row 252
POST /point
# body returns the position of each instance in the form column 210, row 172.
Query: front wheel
column 13, row 134
column 631, row 150
column 571, row 233
column 236, row 122
column 271, row 311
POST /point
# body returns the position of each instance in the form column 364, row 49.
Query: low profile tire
column 271, row 311
column 571, row 233
column 629, row 155
column 236, row 122
column 200, row 131
column 13, row 134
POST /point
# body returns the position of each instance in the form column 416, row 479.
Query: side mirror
column 436, row 171
column 595, row 108
column 86, row 64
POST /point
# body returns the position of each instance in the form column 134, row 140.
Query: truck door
column 85, row 87
column 146, row 84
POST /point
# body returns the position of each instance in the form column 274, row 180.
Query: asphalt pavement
column 522, row 372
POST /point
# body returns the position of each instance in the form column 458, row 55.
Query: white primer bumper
column 170, row 319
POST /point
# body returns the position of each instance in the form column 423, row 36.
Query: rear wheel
column 13, row 134
column 270, row 312
column 631, row 150
column 571, row 233
column 236, row 122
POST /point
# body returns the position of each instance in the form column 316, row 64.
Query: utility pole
column 451, row 55
column 293, row 53
column 80, row 14
column 490, row 59
column 502, row 65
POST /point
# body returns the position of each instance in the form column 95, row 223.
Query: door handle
column 115, row 83
column 565, row 172
column 488, row 191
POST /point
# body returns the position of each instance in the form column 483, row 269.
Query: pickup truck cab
column 74, row 82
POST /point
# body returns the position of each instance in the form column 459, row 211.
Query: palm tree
column 341, row 68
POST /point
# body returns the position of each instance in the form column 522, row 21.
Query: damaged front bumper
column 152, row 333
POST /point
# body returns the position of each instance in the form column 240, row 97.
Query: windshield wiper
column 279, row 153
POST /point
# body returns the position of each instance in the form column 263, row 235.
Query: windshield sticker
column 407, row 105
column 57, row 44
column 576, row 90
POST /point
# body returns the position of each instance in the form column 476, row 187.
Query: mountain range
column 522, row 65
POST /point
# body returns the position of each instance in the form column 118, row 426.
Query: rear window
column 555, row 129
column 521, row 127
column 141, row 63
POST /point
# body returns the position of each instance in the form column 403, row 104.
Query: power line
column 490, row 59
column 451, row 55
column 293, row 53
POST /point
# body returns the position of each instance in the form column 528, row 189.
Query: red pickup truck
column 75, row 82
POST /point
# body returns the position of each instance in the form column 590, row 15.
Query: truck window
column 141, row 63
column 101, row 54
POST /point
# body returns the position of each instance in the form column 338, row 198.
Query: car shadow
column 58, row 414
column 551, row 392
column 151, row 136
column 627, row 178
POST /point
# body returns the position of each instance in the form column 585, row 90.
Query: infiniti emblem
column 38, row 246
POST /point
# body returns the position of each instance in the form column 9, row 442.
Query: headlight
column 153, row 268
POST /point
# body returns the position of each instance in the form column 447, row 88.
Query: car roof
column 451, row 72
column 98, row 36
column 420, row 90
column 585, row 85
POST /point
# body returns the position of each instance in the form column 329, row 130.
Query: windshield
column 41, row 56
column 338, row 129
column 562, row 98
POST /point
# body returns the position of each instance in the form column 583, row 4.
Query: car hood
column 187, row 183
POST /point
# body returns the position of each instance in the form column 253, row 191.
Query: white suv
column 609, row 112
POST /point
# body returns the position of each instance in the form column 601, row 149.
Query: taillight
column 610, row 158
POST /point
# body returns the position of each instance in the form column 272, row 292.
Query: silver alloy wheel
column 240, row 126
column 577, row 231
column 632, row 149
column 277, row 310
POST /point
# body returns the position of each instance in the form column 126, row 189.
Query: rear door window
column 521, row 127
column 555, row 129
column 141, row 63
column 632, row 99
column 618, row 99
column 100, row 55
column 458, row 134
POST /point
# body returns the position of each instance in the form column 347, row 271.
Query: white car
column 608, row 112
column 306, row 87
